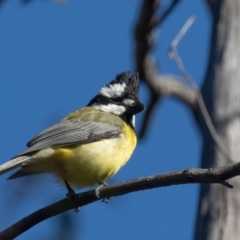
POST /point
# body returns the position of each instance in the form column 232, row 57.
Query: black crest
column 132, row 84
column 131, row 90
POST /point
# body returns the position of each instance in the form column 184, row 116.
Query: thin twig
column 173, row 54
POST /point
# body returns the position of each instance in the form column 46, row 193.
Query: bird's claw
column 71, row 196
column 101, row 184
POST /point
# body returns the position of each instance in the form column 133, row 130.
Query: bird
column 89, row 145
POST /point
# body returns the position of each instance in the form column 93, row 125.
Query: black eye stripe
column 118, row 99
column 104, row 99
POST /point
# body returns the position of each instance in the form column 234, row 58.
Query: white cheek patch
column 113, row 90
column 111, row 108
column 128, row 102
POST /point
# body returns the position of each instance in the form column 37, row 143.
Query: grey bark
column 218, row 214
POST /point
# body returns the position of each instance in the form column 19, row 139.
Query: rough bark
column 219, row 208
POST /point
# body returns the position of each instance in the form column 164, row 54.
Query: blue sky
column 53, row 60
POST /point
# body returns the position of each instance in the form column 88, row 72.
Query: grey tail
column 14, row 163
column 18, row 174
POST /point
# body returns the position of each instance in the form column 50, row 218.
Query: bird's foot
column 71, row 195
column 101, row 184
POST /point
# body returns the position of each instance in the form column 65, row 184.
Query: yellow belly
column 84, row 165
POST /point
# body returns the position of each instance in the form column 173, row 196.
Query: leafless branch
column 169, row 10
column 173, row 53
column 160, row 86
column 166, row 85
column 212, row 175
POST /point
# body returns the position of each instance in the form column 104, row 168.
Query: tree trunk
column 218, row 214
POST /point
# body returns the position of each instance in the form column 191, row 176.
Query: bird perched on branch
column 89, row 145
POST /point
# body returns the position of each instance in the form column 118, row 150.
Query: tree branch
column 160, row 86
column 169, row 10
column 212, row 175
column 166, row 85
column 173, row 53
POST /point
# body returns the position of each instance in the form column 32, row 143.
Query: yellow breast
column 86, row 164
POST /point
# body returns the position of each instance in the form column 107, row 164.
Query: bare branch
column 173, row 53
column 166, row 85
column 160, row 86
column 212, row 175
column 169, row 10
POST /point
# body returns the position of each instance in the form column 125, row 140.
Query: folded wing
column 64, row 134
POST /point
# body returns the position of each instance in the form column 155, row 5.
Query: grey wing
column 70, row 133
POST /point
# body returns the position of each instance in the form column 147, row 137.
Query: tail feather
column 14, row 163
column 20, row 173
